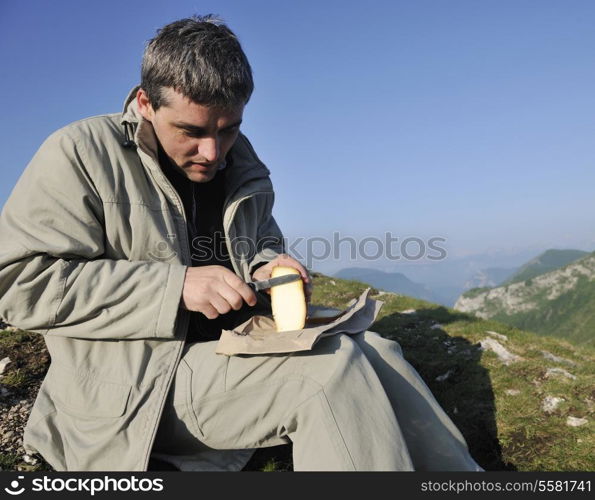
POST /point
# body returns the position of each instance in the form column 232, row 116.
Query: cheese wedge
column 288, row 301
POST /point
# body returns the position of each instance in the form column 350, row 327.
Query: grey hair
column 201, row 58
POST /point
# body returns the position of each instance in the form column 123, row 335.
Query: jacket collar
column 142, row 131
column 130, row 112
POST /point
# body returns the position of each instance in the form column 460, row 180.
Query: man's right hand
column 214, row 290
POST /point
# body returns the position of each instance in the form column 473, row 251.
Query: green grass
column 9, row 461
column 17, row 379
column 29, row 359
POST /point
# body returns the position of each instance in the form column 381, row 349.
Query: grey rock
column 497, row 335
column 30, row 460
column 550, row 403
column 3, row 364
column 576, row 422
column 496, row 347
column 559, row 371
column 444, row 376
column 557, row 359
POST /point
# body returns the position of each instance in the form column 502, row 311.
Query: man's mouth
column 202, row 166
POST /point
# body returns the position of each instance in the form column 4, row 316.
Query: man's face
column 194, row 137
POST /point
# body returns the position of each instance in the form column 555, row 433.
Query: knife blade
column 280, row 280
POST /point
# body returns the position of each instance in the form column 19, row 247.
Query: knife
column 280, row 280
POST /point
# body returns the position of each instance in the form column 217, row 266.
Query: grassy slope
column 504, row 432
column 569, row 316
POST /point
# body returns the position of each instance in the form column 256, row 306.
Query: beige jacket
column 93, row 256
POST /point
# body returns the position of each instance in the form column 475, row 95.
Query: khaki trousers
column 351, row 404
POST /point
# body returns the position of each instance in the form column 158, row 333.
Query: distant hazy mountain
column 447, row 278
column 391, row 282
column 547, row 261
column 489, row 277
column 445, row 295
column 442, row 281
column 560, row 303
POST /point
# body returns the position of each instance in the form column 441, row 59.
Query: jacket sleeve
column 270, row 241
column 53, row 277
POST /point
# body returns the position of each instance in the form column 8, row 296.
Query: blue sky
column 470, row 120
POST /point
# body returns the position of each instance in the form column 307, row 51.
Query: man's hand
column 264, row 272
column 214, row 290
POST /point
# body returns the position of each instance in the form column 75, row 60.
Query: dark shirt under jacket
column 203, row 205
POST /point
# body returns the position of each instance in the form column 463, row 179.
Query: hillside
column 557, row 303
column 549, row 260
column 507, row 410
column 532, row 410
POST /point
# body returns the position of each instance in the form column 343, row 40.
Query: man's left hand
column 264, row 272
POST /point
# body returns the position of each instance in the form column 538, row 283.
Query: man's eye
column 232, row 130
column 194, row 135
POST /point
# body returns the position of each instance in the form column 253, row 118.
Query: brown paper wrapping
column 259, row 336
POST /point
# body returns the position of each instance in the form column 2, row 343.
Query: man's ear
column 144, row 105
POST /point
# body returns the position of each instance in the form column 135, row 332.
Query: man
column 109, row 249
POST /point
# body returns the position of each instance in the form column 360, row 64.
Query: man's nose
column 208, row 148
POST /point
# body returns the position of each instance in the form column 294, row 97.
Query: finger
column 220, row 304
column 245, row 292
column 209, row 311
column 263, row 273
column 232, row 297
column 306, row 279
column 308, row 292
column 287, row 260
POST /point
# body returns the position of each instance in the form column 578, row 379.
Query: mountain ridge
column 549, row 260
column 390, row 281
column 558, row 302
